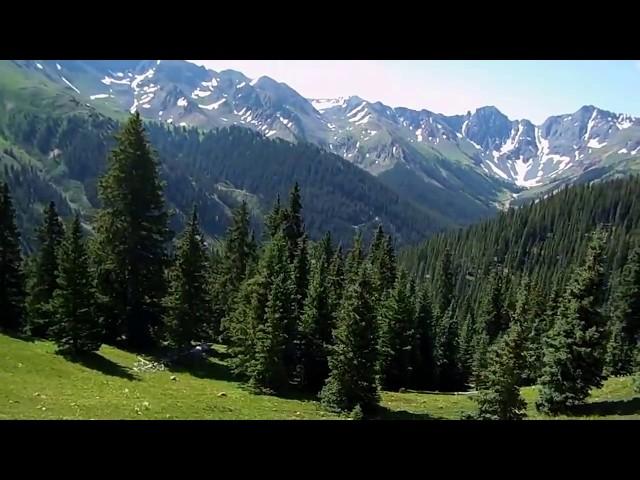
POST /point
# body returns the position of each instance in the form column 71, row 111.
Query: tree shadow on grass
column 607, row 407
column 204, row 368
column 387, row 414
column 97, row 362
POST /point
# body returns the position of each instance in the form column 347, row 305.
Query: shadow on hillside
column 203, row 368
column 19, row 335
column 386, row 414
column 608, row 407
column 97, row 362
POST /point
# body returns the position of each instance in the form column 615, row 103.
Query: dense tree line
column 303, row 315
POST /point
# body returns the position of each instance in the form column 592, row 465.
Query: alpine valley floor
column 35, row 383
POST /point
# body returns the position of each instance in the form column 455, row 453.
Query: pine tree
column 447, row 374
column 316, row 323
column 12, row 289
column 500, row 397
column 300, row 280
column 443, row 296
column 573, row 353
column 480, row 358
column 424, row 324
column 354, row 260
column 382, row 260
column 335, row 284
column 466, row 347
column 396, row 336
column 293, row 223
column 77, row 330
column 131, row 236
column 238, row 256
column 492, row 314
column 625, row 321
column 275, row 219
column 44, row 280
column 353, row 355
column 187, row 305
column 257, row 326
column 530, row 313
column 268, row 369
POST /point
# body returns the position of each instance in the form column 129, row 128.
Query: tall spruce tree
column 237, row 258
column 335, row 283
column 293, row 222
column 530, row 313
column 625, row 318
column 448, row 376
column 187, row 304
column 424, row 323
column 355, row 258
column 396, row 336
column 131, row 237
column 257, row 326
column 316, row 322
column 574, row 348
column 444, row 284
column 12, row 287
column 44, row 279
column 353, row 355
column 500, row 397
column 300, row 282
column 77, row 329
column 492, row 315
column 275, row 219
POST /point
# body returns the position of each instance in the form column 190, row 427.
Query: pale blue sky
column 519, row 88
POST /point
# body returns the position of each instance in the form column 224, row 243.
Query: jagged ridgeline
column 543, row 240
column 59, row 156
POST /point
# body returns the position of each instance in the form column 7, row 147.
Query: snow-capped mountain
column 483, row 154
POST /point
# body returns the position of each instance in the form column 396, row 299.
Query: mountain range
column 457, row 168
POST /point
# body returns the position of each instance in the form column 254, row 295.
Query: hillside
column 543, row 240
column 35, row 383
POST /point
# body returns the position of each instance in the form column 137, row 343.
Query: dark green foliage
column 625, row 318
column 12, row 288
column 424, row 324
column 531, row 314
column 383, row 262
column 275, row 220
column 353, row 355
column 131, row 236
column 396, row 336
column 447, row 373
column 355, row 259
column 77, row 329
column 187, row 304
column 574, row 348
column 500, row 397
column 444, row 286
column 293, row 223
column 237, row 257
column 257, row 326
column 493, row 317
column 335, row 283
column 44, row 278
column 316, row 323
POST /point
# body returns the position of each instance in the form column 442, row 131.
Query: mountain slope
column 59, row 152
column 458, row 168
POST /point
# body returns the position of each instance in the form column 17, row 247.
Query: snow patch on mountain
column 214, row 105
column 322, row 104
column 70, row 84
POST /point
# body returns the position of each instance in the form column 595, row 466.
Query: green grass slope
column 35, row 383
